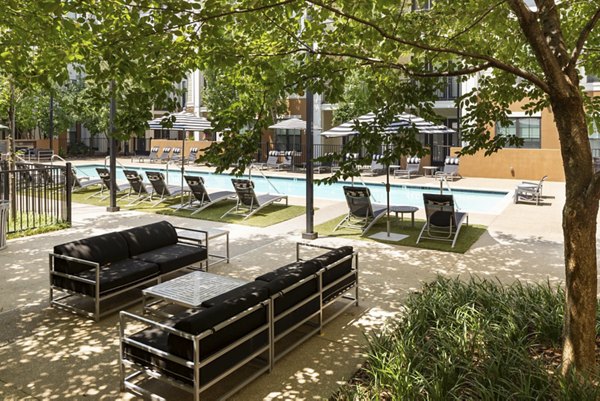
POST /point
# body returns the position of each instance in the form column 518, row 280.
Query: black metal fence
column 39, row 195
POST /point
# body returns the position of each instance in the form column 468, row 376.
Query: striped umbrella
column 184, row 121
column 403, row 120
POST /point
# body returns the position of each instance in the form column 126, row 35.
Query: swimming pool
column 491, row 202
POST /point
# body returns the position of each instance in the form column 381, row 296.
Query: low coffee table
column 189, row 290
column 405, row 209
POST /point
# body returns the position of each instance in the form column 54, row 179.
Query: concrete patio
column 49, row 354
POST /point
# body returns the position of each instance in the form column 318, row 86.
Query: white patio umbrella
column 184, row 121
column 401, row 121
column 292, row 123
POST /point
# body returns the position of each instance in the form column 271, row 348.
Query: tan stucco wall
column 548, row 131
column 162, row 143
column 522, row 164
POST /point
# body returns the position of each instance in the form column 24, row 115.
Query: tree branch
column 429, row 48
column 583, row 35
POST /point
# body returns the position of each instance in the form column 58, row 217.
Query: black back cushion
column 331, row 257
column 149, row 237
column 290, row 273
column 103, row 249
column 219, row 309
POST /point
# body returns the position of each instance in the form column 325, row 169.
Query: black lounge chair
column 362, row 214
column 443, row 221
column 249, row 200
column 138, row 186
column 161, row 188
column 204, row 198
column 81, row 182
column 104, row 175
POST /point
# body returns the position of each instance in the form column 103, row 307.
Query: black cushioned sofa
column 105, row 266
column 237, row 336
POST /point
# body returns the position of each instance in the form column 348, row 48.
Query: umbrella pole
column 182, row 167
column 387, row 192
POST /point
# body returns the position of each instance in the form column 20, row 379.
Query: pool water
column 491, row 202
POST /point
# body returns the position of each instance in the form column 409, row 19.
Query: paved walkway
column 49, row 354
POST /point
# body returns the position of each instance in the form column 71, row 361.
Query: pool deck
column 50, row 354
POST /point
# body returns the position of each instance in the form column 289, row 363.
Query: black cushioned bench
column 240, row 334
column 107, row 265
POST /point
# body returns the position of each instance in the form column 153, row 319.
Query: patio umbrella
column 292, row 123
column 184, row 121
column 401, row 121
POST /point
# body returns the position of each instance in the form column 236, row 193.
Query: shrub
column 474, row 340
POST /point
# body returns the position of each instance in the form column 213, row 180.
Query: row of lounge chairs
column 157, row 191
column 277, row 160
column 169, row 154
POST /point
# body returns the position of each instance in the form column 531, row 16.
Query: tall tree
column 531, row 51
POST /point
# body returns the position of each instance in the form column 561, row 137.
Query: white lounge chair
column 450, row 170
column 413, row 166
column 529, row 191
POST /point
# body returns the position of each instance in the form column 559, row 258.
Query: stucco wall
column 523, row 164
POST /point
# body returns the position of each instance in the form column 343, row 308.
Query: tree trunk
column 579, row 229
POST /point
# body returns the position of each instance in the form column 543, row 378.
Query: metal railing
column 38, row 195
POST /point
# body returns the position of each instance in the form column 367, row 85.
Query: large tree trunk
column 579, row 228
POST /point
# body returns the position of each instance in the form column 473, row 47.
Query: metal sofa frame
column 133, row 382
column 58, row 300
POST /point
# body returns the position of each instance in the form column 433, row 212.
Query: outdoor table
column 189, row 291
column 405, row 209
column 430, row 170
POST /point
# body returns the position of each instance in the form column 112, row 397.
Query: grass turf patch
column 475, row 340
column 272, row 214
column 38, row 230
column 466, row 238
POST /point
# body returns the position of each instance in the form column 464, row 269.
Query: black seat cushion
column 103, row 249
column 146, row 238
column 172, row 257
column 113, row 277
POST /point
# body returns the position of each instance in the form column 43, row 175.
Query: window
column 526, row 128
column 421, row 5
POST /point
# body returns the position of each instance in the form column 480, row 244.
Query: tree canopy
column 258, row 51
